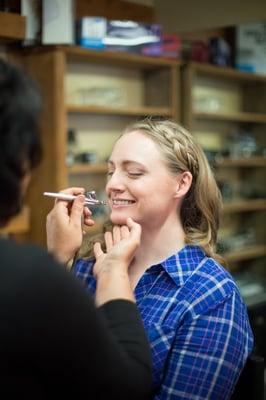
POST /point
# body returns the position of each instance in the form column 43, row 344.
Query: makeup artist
column 54, row 343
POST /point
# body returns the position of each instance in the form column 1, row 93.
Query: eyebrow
column 126, row 163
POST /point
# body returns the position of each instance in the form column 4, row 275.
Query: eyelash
column 130, row 174
column 134, row 175
column 109, row 175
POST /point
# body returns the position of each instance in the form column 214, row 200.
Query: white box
column 251, row 47
column 58, row 22
column 31, row 9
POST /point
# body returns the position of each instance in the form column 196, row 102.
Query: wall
column 189, row 15
column 115, row 9
column 143, row 2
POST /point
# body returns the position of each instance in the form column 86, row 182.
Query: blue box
column 91, row 32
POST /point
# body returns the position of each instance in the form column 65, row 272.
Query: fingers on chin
column 89, row 222
column 124, row 232
column 116, row 234
column 108, row 240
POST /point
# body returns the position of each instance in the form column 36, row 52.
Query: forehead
column 135, row 146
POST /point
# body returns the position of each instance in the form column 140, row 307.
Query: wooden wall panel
column 115, row 9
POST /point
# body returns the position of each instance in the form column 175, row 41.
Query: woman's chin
column 119, row 219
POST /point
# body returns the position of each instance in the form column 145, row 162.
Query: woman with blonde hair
column 192, row 310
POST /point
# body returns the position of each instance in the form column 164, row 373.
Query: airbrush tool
column 90, row 197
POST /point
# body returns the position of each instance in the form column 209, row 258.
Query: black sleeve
column 60, row 337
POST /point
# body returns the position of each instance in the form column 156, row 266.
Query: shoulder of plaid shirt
column 197, row 325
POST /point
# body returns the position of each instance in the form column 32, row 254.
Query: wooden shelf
column 12, row 26
column 244, row 205
column 242, row 98
column 234, row 117
column 125, row 60
column 90, row 109
column 19, row 224
column 227, row 72
column 257, row 161
column 246, row 253
column 88, row 169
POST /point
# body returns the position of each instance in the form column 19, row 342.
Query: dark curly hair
column 20, row 147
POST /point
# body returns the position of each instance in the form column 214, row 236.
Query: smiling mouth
column 122, row 202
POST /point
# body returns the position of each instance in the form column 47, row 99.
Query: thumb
column 76, row 212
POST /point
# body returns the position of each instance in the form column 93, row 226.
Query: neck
column 157, row 244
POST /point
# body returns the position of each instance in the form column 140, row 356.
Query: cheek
column 136, row 188
column 107, row 188
column 159, row 197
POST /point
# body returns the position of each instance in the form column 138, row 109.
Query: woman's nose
column 115, row 182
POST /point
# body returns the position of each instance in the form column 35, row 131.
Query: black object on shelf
column 4, row 6
column 220, row 52
column 250, row 385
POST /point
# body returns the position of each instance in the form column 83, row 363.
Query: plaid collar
column 180, row 265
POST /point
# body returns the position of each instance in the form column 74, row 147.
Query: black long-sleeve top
column 55, row 343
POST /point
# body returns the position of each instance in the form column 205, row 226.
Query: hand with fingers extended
column 111, row 268
column 64, row 225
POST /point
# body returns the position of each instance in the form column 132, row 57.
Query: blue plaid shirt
column 196, row 322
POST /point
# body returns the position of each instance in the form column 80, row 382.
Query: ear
column 25, row 182
column 184, row 182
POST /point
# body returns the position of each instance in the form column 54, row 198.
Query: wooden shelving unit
column 135, row 112
column 234, row 117
column 12, row 26
column 219, row 101
column 244, row 206
column 88, row 169
column 226, row 73
column 242, row 162
column 158, row 82
column 126, row 60
column 247, row 253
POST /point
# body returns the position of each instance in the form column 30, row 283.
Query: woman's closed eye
column 109, row 175
column 134, row 174
column 130, row 174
